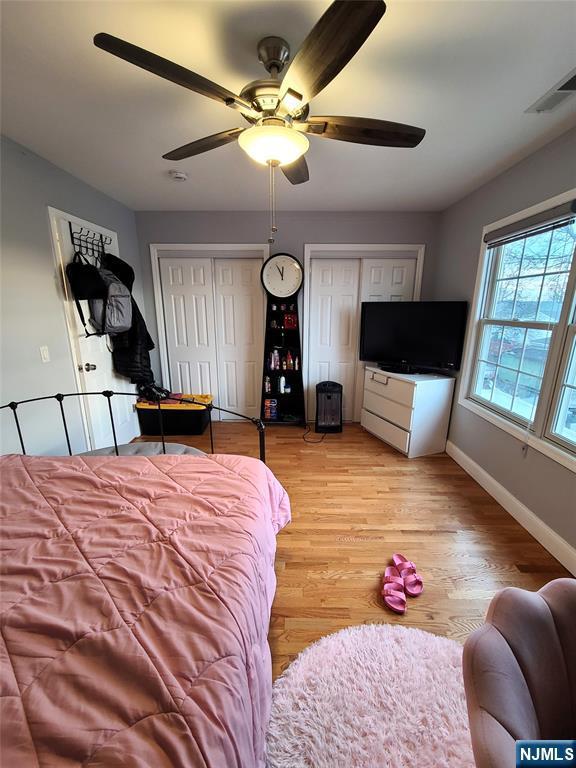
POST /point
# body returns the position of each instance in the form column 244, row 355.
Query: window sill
column 537, row 443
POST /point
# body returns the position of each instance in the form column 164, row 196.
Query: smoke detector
column 178, row 175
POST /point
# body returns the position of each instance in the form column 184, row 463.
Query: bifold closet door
column 189, row 321
column 337, row 287
column 239, row 310
column 334, row 329
column 214, row 318
column 391, row 279
column 387, row 279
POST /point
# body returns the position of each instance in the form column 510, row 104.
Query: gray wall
column 544, row 486
column 295, row 229
column 31, row 313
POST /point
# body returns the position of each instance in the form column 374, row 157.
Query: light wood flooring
column 354, row 502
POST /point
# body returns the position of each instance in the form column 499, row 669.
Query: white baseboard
column 550, row 540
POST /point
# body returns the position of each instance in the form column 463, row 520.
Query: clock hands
column 281, row 270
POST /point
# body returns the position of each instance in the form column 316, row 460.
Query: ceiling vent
column 556, row 95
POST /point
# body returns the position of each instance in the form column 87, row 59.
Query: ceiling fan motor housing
column 262, row 93
column 273, row 53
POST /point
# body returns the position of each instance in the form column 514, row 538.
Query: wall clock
column 282, row 275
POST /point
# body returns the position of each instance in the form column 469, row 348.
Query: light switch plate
column 45, row 354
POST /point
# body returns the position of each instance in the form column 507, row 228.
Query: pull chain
column 272, row 189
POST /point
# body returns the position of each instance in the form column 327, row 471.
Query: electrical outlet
column 45, row 354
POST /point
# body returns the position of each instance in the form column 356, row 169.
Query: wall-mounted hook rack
column 89, row 243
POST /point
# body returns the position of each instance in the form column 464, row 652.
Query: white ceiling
column 465, row 70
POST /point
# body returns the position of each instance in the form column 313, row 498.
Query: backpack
column 112, row 313
column 123, row 271
column 109, row 299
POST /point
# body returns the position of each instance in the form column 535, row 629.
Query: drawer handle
column 383, row 380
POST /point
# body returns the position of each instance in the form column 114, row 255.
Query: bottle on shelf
column 281, row 385
column 284, row 363
column 296, row 364
column 270, row 409
column 289, row 362
column 276, row 360
column 267, row 384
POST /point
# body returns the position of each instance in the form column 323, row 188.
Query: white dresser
column 409, row 411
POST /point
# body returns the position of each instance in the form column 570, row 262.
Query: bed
column 135, row 603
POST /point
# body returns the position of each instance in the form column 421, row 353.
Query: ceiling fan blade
column 171, row 71
column 203, row 145
column 331, row 44
column 297, row 172
column 363, row 130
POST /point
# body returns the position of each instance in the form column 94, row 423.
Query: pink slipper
column 412, row 581
column 393, row 590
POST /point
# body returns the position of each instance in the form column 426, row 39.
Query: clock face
column 282, row 275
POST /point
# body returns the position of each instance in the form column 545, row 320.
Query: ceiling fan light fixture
column 275, row 144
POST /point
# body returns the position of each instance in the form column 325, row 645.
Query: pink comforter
column 135, row 603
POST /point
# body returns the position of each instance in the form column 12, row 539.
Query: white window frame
column 539, row 436
column 569, row 341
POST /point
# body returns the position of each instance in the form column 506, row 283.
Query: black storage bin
column 177, row 419
column 328, row 407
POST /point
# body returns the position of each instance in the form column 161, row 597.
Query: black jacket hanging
column 130, row 350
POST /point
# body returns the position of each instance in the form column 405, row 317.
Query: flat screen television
column 413, row 335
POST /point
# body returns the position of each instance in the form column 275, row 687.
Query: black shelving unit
column 282, row 365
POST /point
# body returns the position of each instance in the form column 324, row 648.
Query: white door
column 91, row 356
column 383, row 280
column 239, row 311
column 188, row 303
column 337, row 287
column 333, row 348
column 388, row 279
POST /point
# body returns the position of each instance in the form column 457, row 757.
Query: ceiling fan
column 278, row 110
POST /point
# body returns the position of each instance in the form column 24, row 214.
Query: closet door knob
column 89, row 367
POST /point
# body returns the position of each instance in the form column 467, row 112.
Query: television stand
column 410, row 411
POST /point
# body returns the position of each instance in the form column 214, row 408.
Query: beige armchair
column 520, row 672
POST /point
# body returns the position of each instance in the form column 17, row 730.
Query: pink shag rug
column 372, row 696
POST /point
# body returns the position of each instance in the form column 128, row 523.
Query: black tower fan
column 328, row 407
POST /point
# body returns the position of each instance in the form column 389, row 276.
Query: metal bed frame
column 108, row 394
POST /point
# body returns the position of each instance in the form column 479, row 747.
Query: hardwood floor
column 354, row 502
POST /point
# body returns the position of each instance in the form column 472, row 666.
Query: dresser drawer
column 402, row 392
column 397, row 437
column 401, row 415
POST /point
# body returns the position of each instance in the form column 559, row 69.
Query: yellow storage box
column 177, row 418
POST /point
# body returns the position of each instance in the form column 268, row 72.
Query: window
column 524, row 360
column 563, row 425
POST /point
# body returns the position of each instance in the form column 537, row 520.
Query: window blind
column 545, row 221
